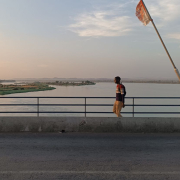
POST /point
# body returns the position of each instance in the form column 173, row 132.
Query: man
column 120, row 93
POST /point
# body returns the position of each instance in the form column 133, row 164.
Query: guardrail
column 85, row 104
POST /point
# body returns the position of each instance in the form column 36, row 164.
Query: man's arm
column 122, row 94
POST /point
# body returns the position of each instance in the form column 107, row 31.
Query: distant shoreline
column 88, row 81
column 150, row 82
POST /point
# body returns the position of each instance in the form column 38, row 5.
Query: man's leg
column 118, row 108
column 114, row 107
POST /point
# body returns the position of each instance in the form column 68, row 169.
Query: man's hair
column 117, row 78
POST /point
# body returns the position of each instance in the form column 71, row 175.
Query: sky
column 87, row 39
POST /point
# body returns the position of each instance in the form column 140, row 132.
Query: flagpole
column 175, row 69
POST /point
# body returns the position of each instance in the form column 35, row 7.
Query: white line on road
column 94, row 172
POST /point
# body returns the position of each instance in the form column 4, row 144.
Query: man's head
column 117, row 80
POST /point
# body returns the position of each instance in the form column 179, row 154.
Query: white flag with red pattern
column 142, row 14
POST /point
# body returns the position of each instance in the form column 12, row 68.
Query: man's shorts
column 117, row 108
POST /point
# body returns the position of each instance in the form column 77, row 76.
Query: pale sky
column 87, row 39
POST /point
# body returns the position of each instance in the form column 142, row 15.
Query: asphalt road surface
column 88, row 156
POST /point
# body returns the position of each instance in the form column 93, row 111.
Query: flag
column 142, row 13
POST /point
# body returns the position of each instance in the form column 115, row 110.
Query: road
column 88, row 156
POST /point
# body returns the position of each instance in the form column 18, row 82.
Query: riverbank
column 12, row 89
column 61, row 83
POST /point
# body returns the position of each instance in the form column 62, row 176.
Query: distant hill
column 1, row 81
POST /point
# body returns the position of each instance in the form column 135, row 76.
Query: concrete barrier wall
column 89, row 124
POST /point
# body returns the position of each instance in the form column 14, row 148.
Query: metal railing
column 85, row 105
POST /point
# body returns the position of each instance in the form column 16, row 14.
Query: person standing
column 120, row 94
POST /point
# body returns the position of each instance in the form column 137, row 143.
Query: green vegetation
column 11, row 89
column 60, row 83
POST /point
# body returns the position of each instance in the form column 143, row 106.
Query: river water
column 98, row 90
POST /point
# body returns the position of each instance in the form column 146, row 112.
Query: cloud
column 107, row 23
column 165, row 10
column 118, row 19
column 174, row 36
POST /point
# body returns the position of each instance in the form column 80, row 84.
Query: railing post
column 85, row 106
column 133, row 107
column 37, row 107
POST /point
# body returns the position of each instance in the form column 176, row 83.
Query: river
column 98, row 90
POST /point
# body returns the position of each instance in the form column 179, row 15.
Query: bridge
column 82, row 147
